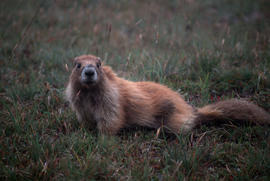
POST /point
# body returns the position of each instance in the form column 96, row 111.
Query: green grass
column 206, row 50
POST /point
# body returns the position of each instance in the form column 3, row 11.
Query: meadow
column 206, row 50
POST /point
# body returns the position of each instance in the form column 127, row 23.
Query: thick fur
column 112, row 103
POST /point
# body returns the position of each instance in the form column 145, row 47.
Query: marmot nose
column 89, row 74
column 89, row 71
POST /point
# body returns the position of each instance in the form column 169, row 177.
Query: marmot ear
column 99, row 61
column 74, row 62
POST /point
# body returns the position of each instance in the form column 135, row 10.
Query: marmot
column 101, row 98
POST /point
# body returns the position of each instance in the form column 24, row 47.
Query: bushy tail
column 235, row 111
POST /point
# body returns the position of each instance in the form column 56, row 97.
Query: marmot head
column 87, row 71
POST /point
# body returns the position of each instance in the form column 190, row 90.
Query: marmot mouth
column 88, row 81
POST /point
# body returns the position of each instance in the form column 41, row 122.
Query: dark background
column 207, row 50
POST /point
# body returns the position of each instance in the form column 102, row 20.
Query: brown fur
column 113, row 103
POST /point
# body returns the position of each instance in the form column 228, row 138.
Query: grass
column 205, row 50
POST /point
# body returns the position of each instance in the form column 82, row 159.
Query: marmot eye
column 98, row 65
column 78, row 65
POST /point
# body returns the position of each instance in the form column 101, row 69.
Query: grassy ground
column 206, row 50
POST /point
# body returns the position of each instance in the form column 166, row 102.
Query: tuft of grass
column 206, row 50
